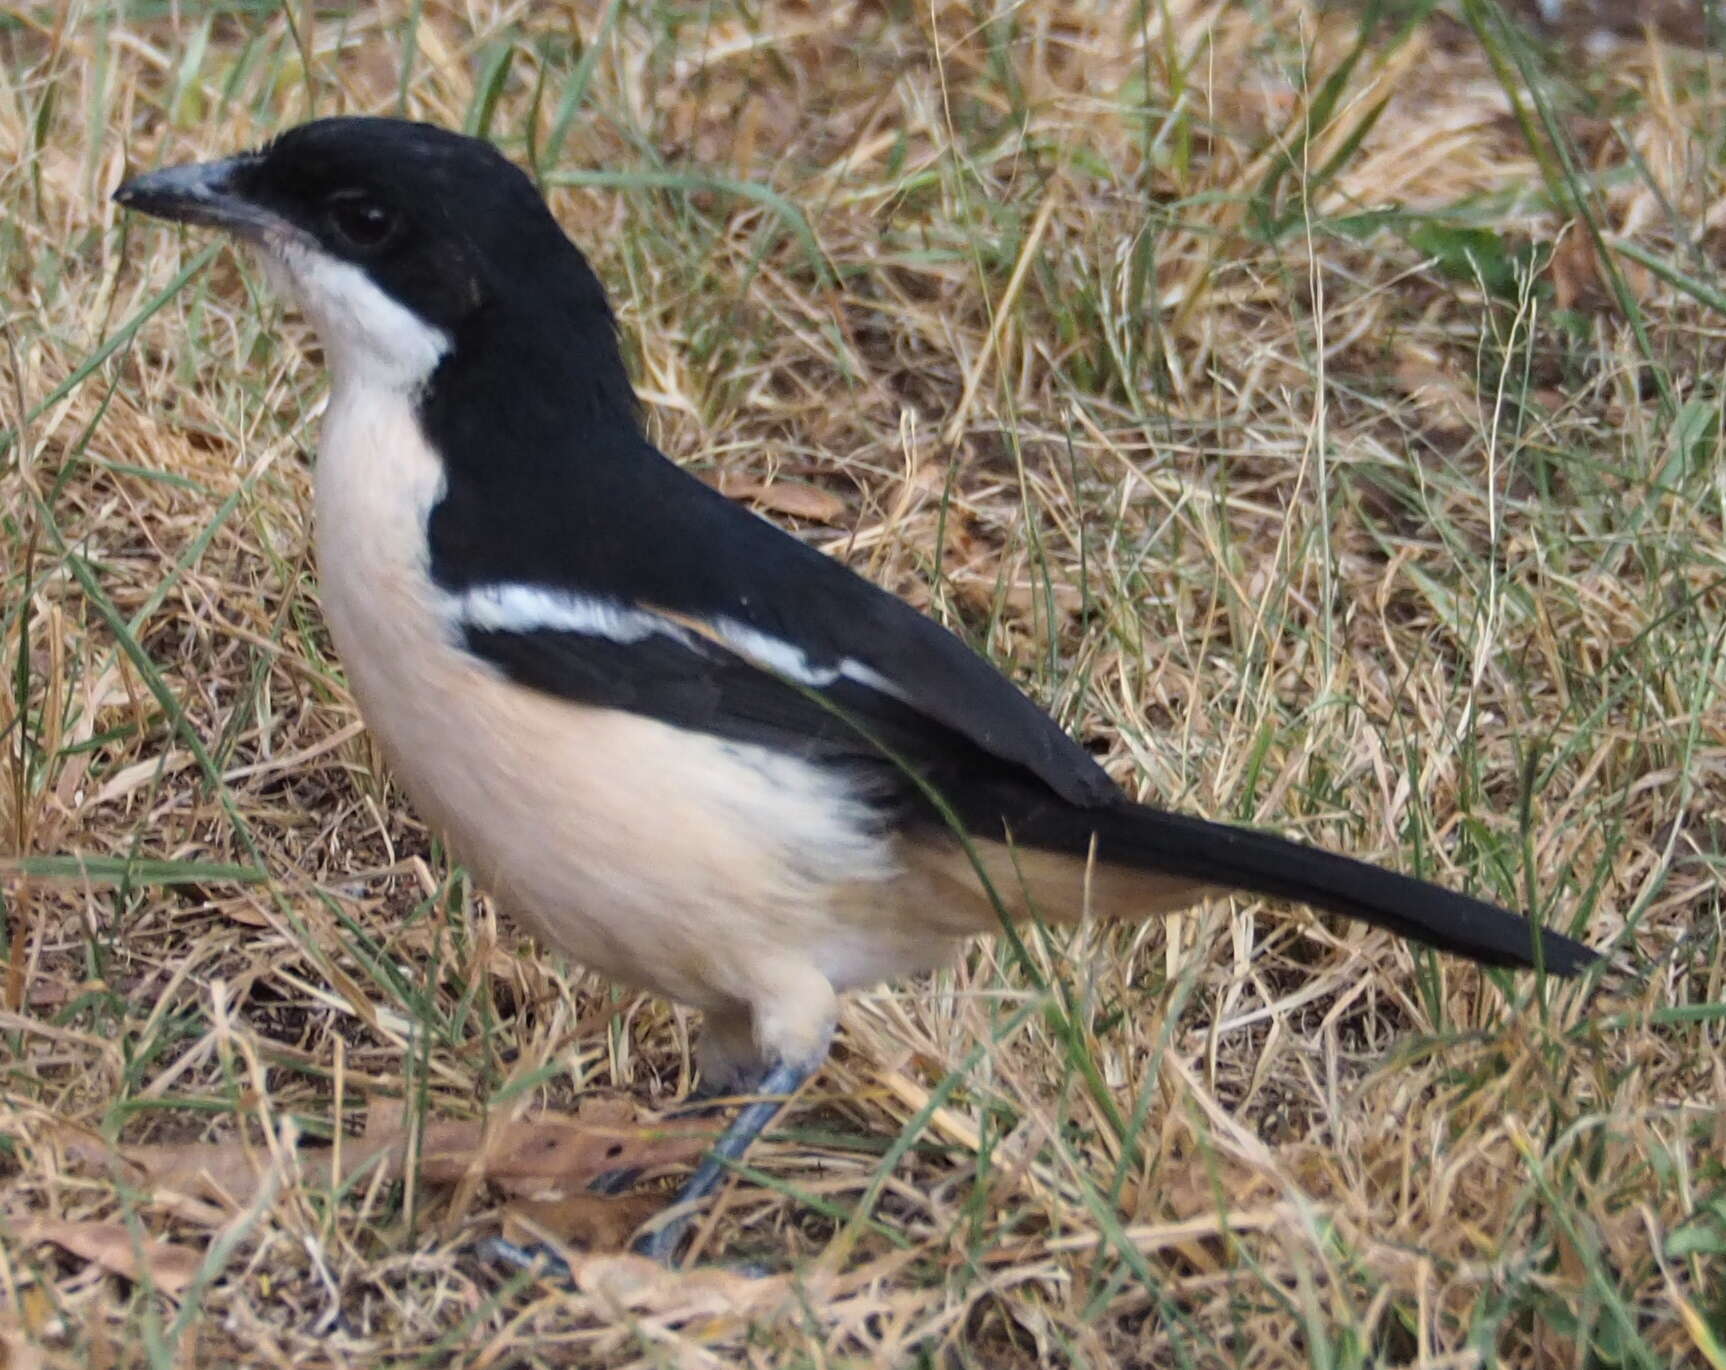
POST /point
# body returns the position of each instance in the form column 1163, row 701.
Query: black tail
column 1239, row 858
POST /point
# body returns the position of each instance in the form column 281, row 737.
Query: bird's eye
column 360, row 222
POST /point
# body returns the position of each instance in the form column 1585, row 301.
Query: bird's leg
column 776, row 1087
column 786, row 1024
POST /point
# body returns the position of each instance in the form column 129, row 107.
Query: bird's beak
column 201, row 193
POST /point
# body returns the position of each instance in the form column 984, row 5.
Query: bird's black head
column 405, row 244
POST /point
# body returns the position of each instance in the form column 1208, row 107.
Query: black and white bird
column 670, row 739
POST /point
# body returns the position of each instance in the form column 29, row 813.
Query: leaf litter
column 541, row 1163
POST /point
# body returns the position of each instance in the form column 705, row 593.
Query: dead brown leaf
column 593, row 1222
column 245, row 914
column 641, row 1285
column 603, row 1135
column 169, row 1265
column 1580, row 282
column 785, row 497
column 219, row 1172
column 1435, row 386
column 558, row 1152
column 1022, row 598
column 1575, row 272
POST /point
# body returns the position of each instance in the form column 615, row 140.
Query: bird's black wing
column 658, row 595
column 683, row 677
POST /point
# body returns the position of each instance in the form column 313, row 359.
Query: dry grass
column 1261, row 396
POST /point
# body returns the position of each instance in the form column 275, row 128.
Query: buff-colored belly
column 661, row 858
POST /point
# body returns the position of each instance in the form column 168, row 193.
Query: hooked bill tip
column 196, row 193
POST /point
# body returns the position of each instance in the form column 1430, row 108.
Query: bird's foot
column 776, row 1087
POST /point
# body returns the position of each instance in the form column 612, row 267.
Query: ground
column 1317, row 407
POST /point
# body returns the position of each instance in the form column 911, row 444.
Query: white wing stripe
column 508, row 608
column 772, row 653
column 852, row 669
column 515, row 608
